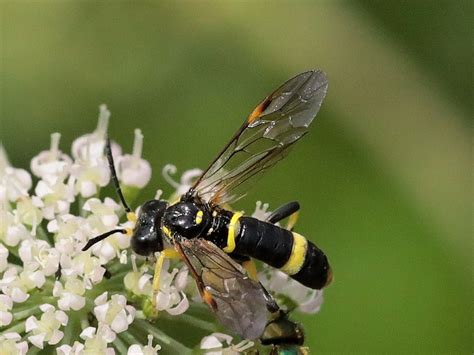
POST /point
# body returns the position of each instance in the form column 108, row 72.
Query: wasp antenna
column 110, row 158
column 97, row 239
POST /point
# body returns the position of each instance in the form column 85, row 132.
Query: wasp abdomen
column 264, row 241
column 283, row 249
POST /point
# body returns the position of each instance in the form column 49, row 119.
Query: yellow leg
column 251, row 269
column 165, row 254
column 292, row 221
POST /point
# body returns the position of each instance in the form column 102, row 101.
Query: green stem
column 14, row 258
column 14, row 251
column 129, row 338
column 120, row 346
column 198, row 323
column 117, row 268
column 80, row 203
column 17, row 328
column 33, row 302
column 41, row 234
column 26, row 313
column 73, row 327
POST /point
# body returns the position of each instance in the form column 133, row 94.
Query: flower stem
column 196, row 322
column 26, row 313
column 41, row 234
column 120, row 345
column 128, row 338
column 17, row 328
column 73, row 327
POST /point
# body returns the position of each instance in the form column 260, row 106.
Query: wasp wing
column 239, row 302
column 264, row 138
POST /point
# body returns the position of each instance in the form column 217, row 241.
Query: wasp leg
column 249, row 266
column 284, row 211
column 165, row 254
column 247, row 263
column 289, row 209
column 292, row 221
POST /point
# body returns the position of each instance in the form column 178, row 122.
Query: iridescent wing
column 239, row 302
column 264, row 138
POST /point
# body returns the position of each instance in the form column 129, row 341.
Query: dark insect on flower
column 284, row 336
column 218, row 244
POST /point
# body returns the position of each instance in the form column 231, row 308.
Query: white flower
column 46, row 329
column 84, row 265
column 29, row 213
column 186, row 180
column 14, row 183
column 51, row 165
column 132, row 170
column 11, row 286
column 76, row 349
column 39, row 255
column 91, row 146
column 95, row 342
column 307, row 299
column 3, row 257
column 71, row 232
column 6, row 305
column 103, row 218
column 71, row 295
column 114, row 313
column 90, row 169
column 17, row 285
column 138, row 281
column 88, row 175
column 10, row 344
column 56, row 197
column 12, row 231
column 103, row 214
column 221, row 344
column 148, row 349
column 213, row 344
column 261, row 211
column 171, row 297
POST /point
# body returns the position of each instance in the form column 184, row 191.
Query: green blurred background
column 383, row 177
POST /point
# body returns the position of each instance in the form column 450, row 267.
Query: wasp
column 218, row 244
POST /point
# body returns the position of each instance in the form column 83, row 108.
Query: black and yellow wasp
column 216, row 242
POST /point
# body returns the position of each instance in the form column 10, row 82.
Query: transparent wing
column 264, row 138
column 239, row 303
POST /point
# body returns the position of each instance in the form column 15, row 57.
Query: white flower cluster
column 52, row 294
column 45, row 220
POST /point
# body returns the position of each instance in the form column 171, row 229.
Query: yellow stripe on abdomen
column 297, row 256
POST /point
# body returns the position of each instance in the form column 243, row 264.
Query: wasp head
column 147, row 238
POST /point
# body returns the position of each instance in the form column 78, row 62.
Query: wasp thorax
column 147, row 238
column 186, row 219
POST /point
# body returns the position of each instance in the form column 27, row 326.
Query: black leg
column 284, row 211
